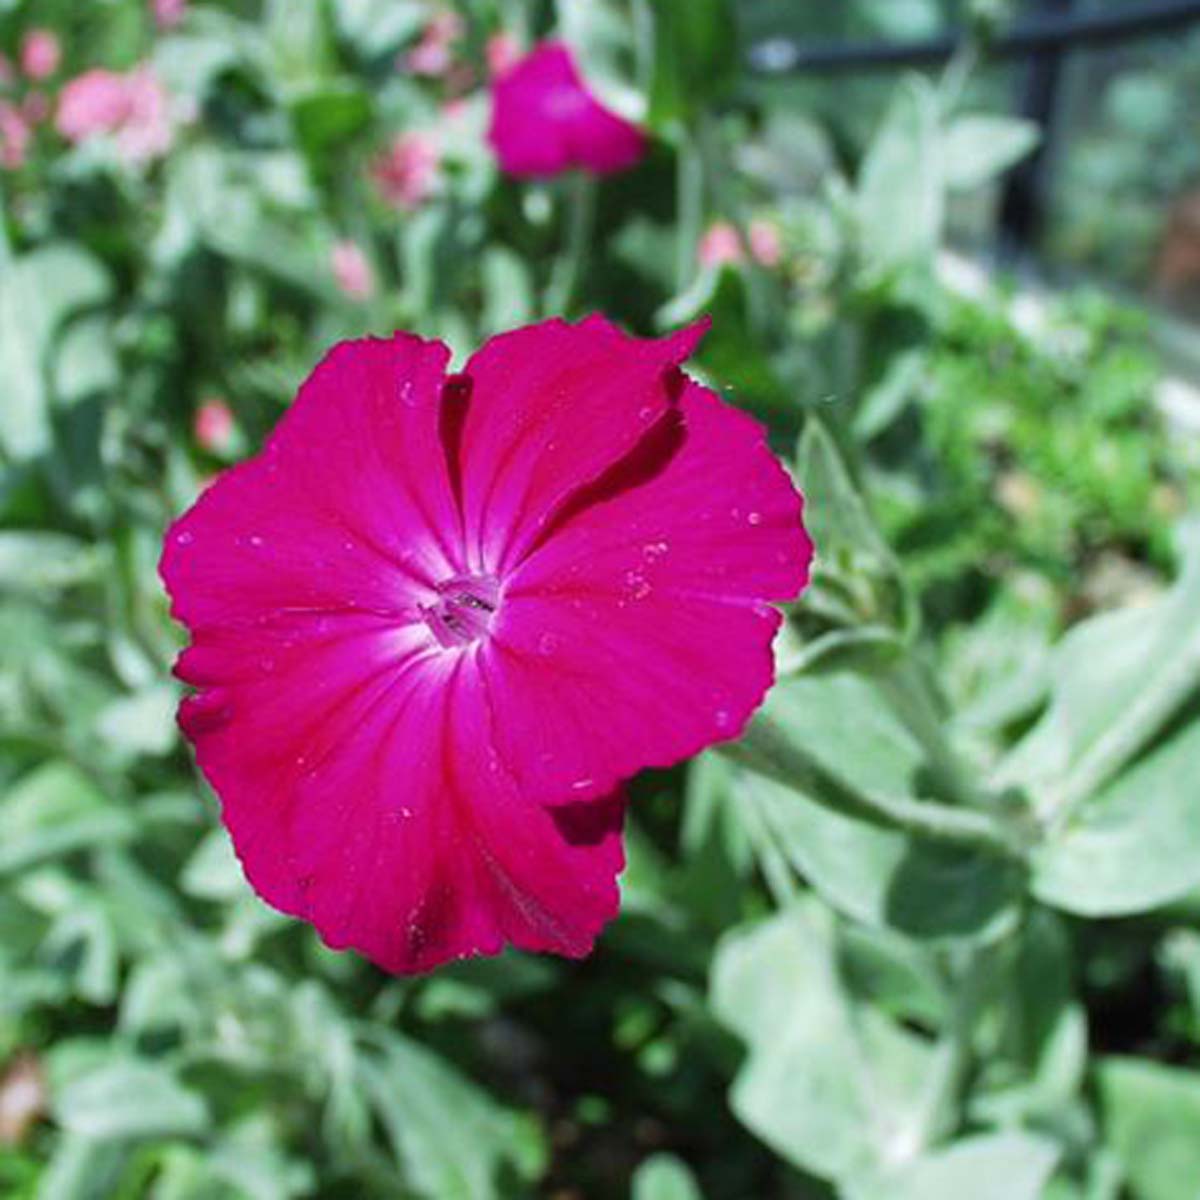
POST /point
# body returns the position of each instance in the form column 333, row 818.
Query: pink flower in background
column 41, row 54
column 352, row 271
column 434, row 54
column 721, row 244
column 440, row 618
column 406, row 173
column 502, row 52
column 214, row 426
column 169, row 13
column 545, row 121
column 15, row 136
column 765, row 243
column 133, row 108
column 36, row 107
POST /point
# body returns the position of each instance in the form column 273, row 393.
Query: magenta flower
column 439, row 620
column 351, row 270
column 406, row 173
column 40, row 54
column 545, row 121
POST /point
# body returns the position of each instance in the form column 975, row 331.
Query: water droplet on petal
column 580, row 784
column 755, row 518
column 255, row 540
column 183, row 539
column 652, row 551
column 639, row 586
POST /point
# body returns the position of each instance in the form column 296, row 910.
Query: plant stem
column 689, row 187
column 908, row 693
column 580, row 204
column 766, row 748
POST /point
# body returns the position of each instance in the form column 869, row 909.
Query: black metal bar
column 1024, row 201
column 785, row 56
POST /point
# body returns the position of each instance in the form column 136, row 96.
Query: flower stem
column 766, row 748
column 689, row 200
column 580, row 202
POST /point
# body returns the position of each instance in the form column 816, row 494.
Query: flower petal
column 347, row 509
column 637, row 632
column 363, row 795
column 551, row 407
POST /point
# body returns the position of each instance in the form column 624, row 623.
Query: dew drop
column 755, row 518
column 255, row 540
column 653, row 551
column 639, row 586
column 721, row 716
column 548, row 643
column 184, row 539
column 645, row 413
column 580, row 784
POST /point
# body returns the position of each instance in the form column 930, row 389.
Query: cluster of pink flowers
column 721, row 244
column 132, row 108
column 406, row 173
column 39, row 60
column 441, row 618
column 433, row 55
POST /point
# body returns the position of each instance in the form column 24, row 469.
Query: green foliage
column 929, row 930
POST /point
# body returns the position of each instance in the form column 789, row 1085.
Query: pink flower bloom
column 15, row 136
column 352, row 271
column 169, row 13
column 213, row 427
column 545, row 121
column 406, row 173
column 439, row 620
column 132, row 108
column 40, row 54
column 502, row 52
column 765, row 243
column 721, row 244
column 434, row 54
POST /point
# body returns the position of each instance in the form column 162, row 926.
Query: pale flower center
column 463, row 611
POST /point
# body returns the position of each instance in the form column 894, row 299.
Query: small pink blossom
column 721, row 244
column 41, row 54
column 546, row 121
column 133, row 108
column 169, row 13
column 36, row 107
column 765, row 243
column 352, row 271
column 406, row 173
column 15, row 136
column 503, row 51
column 439, row 620
column 433, row 55
column 213, row 426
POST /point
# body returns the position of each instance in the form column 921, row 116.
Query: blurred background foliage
column 933, row 930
